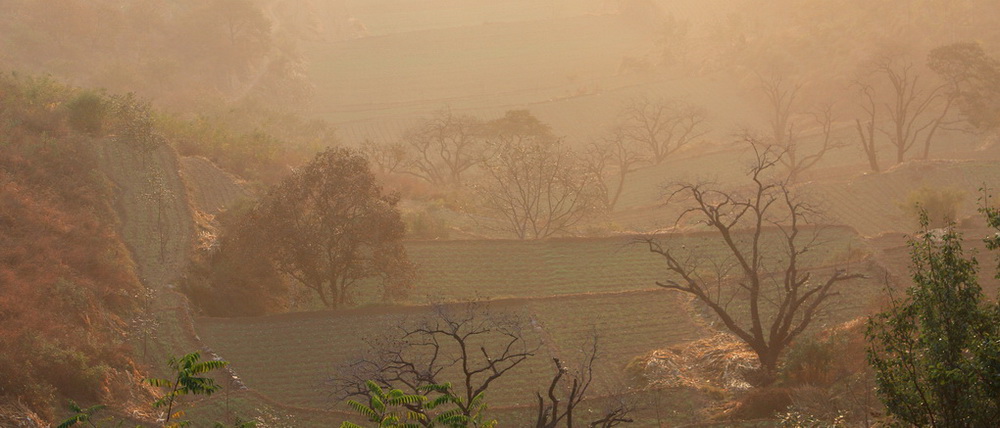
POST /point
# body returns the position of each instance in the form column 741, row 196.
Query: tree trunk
column 768, row 368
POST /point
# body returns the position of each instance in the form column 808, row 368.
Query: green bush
column 425, row 225
column 936, row 351
column 86, row 113
column 761, row 403
column 940, row 203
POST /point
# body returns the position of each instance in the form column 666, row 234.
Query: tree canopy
column 329, row 228
column 936, row 353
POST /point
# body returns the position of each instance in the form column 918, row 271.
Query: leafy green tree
column 973, row 78
column 331, row 229
column 936, row 353
column 81, row 415
column 134, row 125
column 86, row 113
column 396, row 409
column 939, row 204
column 186, row 381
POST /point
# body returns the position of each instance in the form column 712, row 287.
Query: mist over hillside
column 515, row 213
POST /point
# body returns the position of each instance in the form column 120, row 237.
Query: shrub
column 940, row 203
column 761, row 403
column 86, row 113
column 425, row 225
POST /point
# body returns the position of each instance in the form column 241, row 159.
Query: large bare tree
column 786, row 130
column 444, row 147
column 866, row 127
column 567, row 390
column 914, row 110
column 537, row 188
column 471, row 346
column 764, row 232
column 385, row 158
column 467, row 344
column 610, row 160
column 662, row 126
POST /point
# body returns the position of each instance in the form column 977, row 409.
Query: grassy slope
column 213, row 189
column 141, row 217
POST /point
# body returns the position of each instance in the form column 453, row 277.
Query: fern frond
column 363, row 410
column 443, row 399
column 71, row 421
column 415, row 416
column 377, row 404
column 159, row 383
column 208, row 366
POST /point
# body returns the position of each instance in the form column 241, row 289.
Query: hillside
column 69, row 287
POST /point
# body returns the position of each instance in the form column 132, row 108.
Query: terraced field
column 288, row 357
column 869, row 203
column 565, row 290
column 495, row 269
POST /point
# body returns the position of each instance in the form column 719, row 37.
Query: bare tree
column 614, row 155
column 538, row 188
column 866, row 129
column 663, row 126
column 469, row 342
column 915, row 111
column 761, row 270
column 555, row 408
column 387, row 158
column 781, row 100
column 444, row 147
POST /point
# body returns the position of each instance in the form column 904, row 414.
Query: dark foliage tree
column 936, row 353
column 973, row 78
column 227, row 39
column 759, row 273
column 330, row 228
column 234, row 276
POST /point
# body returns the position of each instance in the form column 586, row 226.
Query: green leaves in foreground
column 936, row 353
column 187, row 381
column 396, row 409
column 81, row 414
